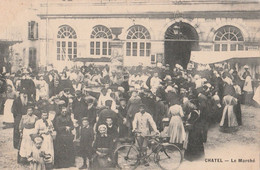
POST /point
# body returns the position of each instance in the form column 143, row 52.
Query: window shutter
column 29, row 30
column 36, row 31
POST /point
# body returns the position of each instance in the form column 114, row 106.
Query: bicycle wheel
column 126, row 157
column 169, row 157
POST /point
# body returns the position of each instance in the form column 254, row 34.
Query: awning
column 210, row 57
column 85, row 60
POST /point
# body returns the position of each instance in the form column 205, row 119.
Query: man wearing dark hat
column 29, row 86
column 19, row 109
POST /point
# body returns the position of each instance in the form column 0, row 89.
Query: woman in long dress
column 176, row 129
column 8, row 115
column 229, row 120
column 44, row 127
column 26, row 127
column 193, row 144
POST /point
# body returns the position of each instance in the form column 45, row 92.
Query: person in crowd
column 102, row 147
column 19, row 108
column 112, row 130
column 26, row 128
column 107, row 112
column 248, row 90
column 142, row 123
column 79, row 108
column 132, row 107
column 86, row 141
column 39, row 159
column 155, row 82
column 193, row 144
column 8, row 118
column 42, row 89
column 104, row 96
column 160, row 112
column 229, row 120
column 29, row 86
column 123, row 129
column 64, row 151
column 176, row 130
column 45, row 128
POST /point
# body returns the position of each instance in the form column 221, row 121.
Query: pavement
column 222, row 150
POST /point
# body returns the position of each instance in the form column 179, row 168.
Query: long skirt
column 26, row 143
column 64, row 151
column 176, row 130
column 8, row 115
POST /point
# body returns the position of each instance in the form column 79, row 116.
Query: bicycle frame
column 140, row 150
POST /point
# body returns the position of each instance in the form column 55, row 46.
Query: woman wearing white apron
column 44, row 127
column 26, row 127
column 8, row 115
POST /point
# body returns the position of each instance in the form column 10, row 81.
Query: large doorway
column 180, row 39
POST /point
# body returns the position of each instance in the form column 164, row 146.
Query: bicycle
column 167, row 156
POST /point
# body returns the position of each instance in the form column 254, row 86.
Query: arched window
column 228, row 38
column 138, row 41
column 100, row 41
column 66, row 43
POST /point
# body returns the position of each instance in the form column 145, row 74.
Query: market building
column 131, row 32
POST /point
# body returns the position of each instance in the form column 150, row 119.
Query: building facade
column 69, row 29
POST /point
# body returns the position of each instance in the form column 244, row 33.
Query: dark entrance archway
column 180, row 39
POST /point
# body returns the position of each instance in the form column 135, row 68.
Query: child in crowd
column 86, row 140
column 39, row 160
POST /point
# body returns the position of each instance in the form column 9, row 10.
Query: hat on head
column 101, row 127
column 246, row 67
column 84, row 118
column 36, row 138
column 78, row 92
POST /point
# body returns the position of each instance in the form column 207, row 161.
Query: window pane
column 217, row 47
column 58, row 56
column 233, row 47
column 104, row 44
column 141, row 45
column 109, row 49
column 104, row 50
column 70, row 57
column 92, row 51
column 69, row 44
column 148, row 49
column 224, row 47
column 134, row 48
column 63, row 44
column 128, row 49
column 70, row 51
column 97, row 48
column 141, row 49
column 75, row 44
column 58, row 44
column 75, row 51
column 92, row 44
column 240, row 47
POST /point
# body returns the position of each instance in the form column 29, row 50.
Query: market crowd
column 89, row 111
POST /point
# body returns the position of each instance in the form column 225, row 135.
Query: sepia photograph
column 129, row 84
